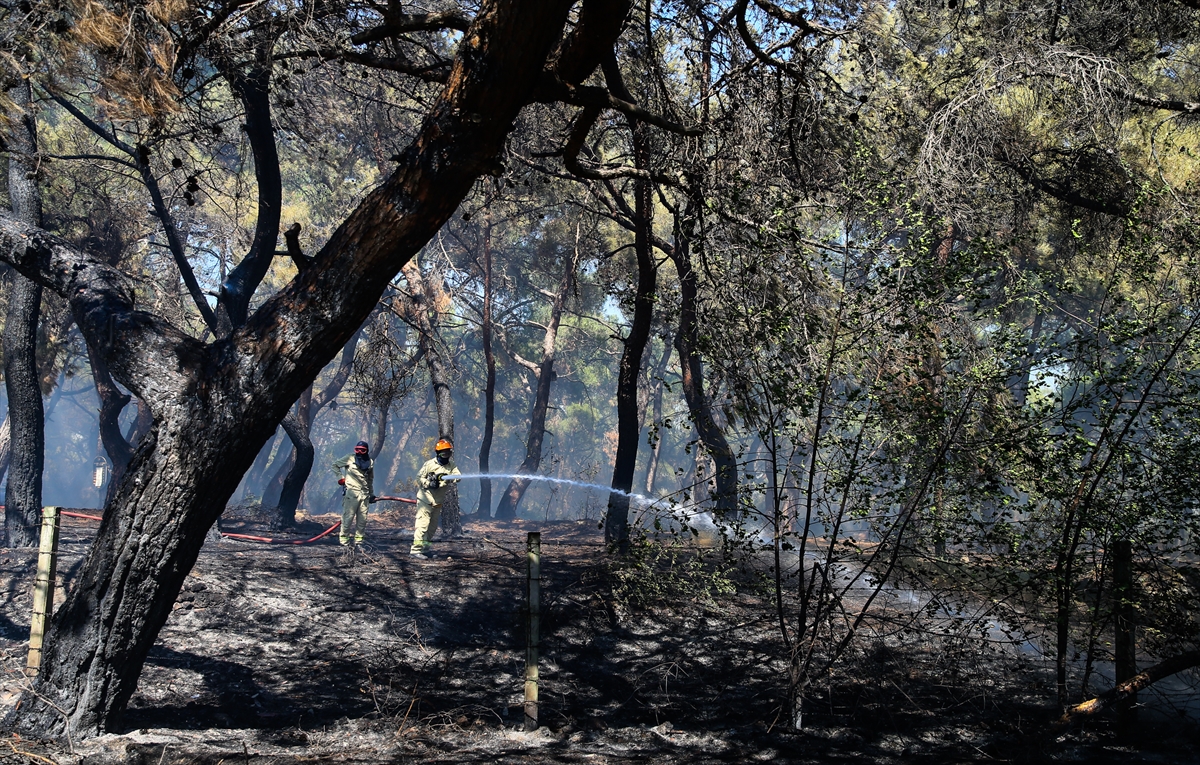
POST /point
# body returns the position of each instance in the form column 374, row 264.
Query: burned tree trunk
column 253, row 477
column 1126, row 690
column 691, row 368
column 252, row 86
column 489, row 387
column 544, row 371
column 284, row 490
column 112, row 402
column 297, row 428
column 23, row 501
column 423, row 315
column 616, row 524
column 5, row 447
column 215, row 405
column 656, row 407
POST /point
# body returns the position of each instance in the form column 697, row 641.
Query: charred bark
column 656, row 406
column 23, row 500
column 280, row 468
column 286, row 486
column 215, row 405
column 5, row 446
column 616, row 524
column 691, row 367
column 253, row 477
column 423, row 316
column 252, row 87
column 297, row 428
column 489, row 387
column 112, row 402
column 507, row 508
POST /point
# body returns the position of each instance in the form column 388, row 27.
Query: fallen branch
column 1127, row 689
column 30, row 755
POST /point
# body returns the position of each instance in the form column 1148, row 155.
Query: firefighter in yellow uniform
column 431, row 492
column 357, row 481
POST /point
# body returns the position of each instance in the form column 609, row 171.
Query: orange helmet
column 443, row 445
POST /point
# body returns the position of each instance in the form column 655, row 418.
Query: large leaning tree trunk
column 544, row 371
column 23, row 500
column 214, row 405
column 423, row 316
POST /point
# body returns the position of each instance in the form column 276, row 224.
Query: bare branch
column 795, row 18
column 583, row 125
column 139, row 348
column 400, row 23
column 743, row 29
column 292, row 236
column 428, row 72
column 1166, row 104
column 594, row 96
column 142, row 165
column 98, row 157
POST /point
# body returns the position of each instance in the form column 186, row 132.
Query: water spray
column 643, row 502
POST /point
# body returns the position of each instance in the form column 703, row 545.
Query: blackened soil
column 318, row 653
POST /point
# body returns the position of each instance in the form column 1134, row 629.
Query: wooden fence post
column 43, row 588
column 534, row 544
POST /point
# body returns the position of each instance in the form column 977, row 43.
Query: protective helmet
column 443, row 445
column 361, row 447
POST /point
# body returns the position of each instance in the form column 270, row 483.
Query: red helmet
column 443, row 445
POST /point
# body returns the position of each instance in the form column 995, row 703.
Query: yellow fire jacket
column 430, row 488
column 359, row 481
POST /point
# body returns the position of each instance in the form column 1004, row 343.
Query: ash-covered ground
column 318, row 653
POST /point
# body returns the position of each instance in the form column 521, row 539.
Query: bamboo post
column 534, row 543
column 43, row 588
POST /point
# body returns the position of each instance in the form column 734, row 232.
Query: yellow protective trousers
column 427, row 522
column 354, row 517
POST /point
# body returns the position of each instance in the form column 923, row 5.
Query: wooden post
column 43, row 588
column 1124, row 645
column 534, row 543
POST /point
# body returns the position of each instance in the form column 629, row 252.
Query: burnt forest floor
column 281, row 654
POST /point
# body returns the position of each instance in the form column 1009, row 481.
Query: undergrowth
column 655, row 572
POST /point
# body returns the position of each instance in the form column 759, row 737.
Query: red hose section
column 265, row 540
column 271, row 541
column 69, row 514
column 247, row 537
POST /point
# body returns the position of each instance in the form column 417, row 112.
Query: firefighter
column 357, row 481
column 431, row 492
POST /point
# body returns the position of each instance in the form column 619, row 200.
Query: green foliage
column 659, row 572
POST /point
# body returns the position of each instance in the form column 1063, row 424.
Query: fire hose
column 69, row 514
column 265, row 540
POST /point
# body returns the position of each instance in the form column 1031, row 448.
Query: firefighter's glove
column 373, row 499
column 341, row 482
column 433, row 482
